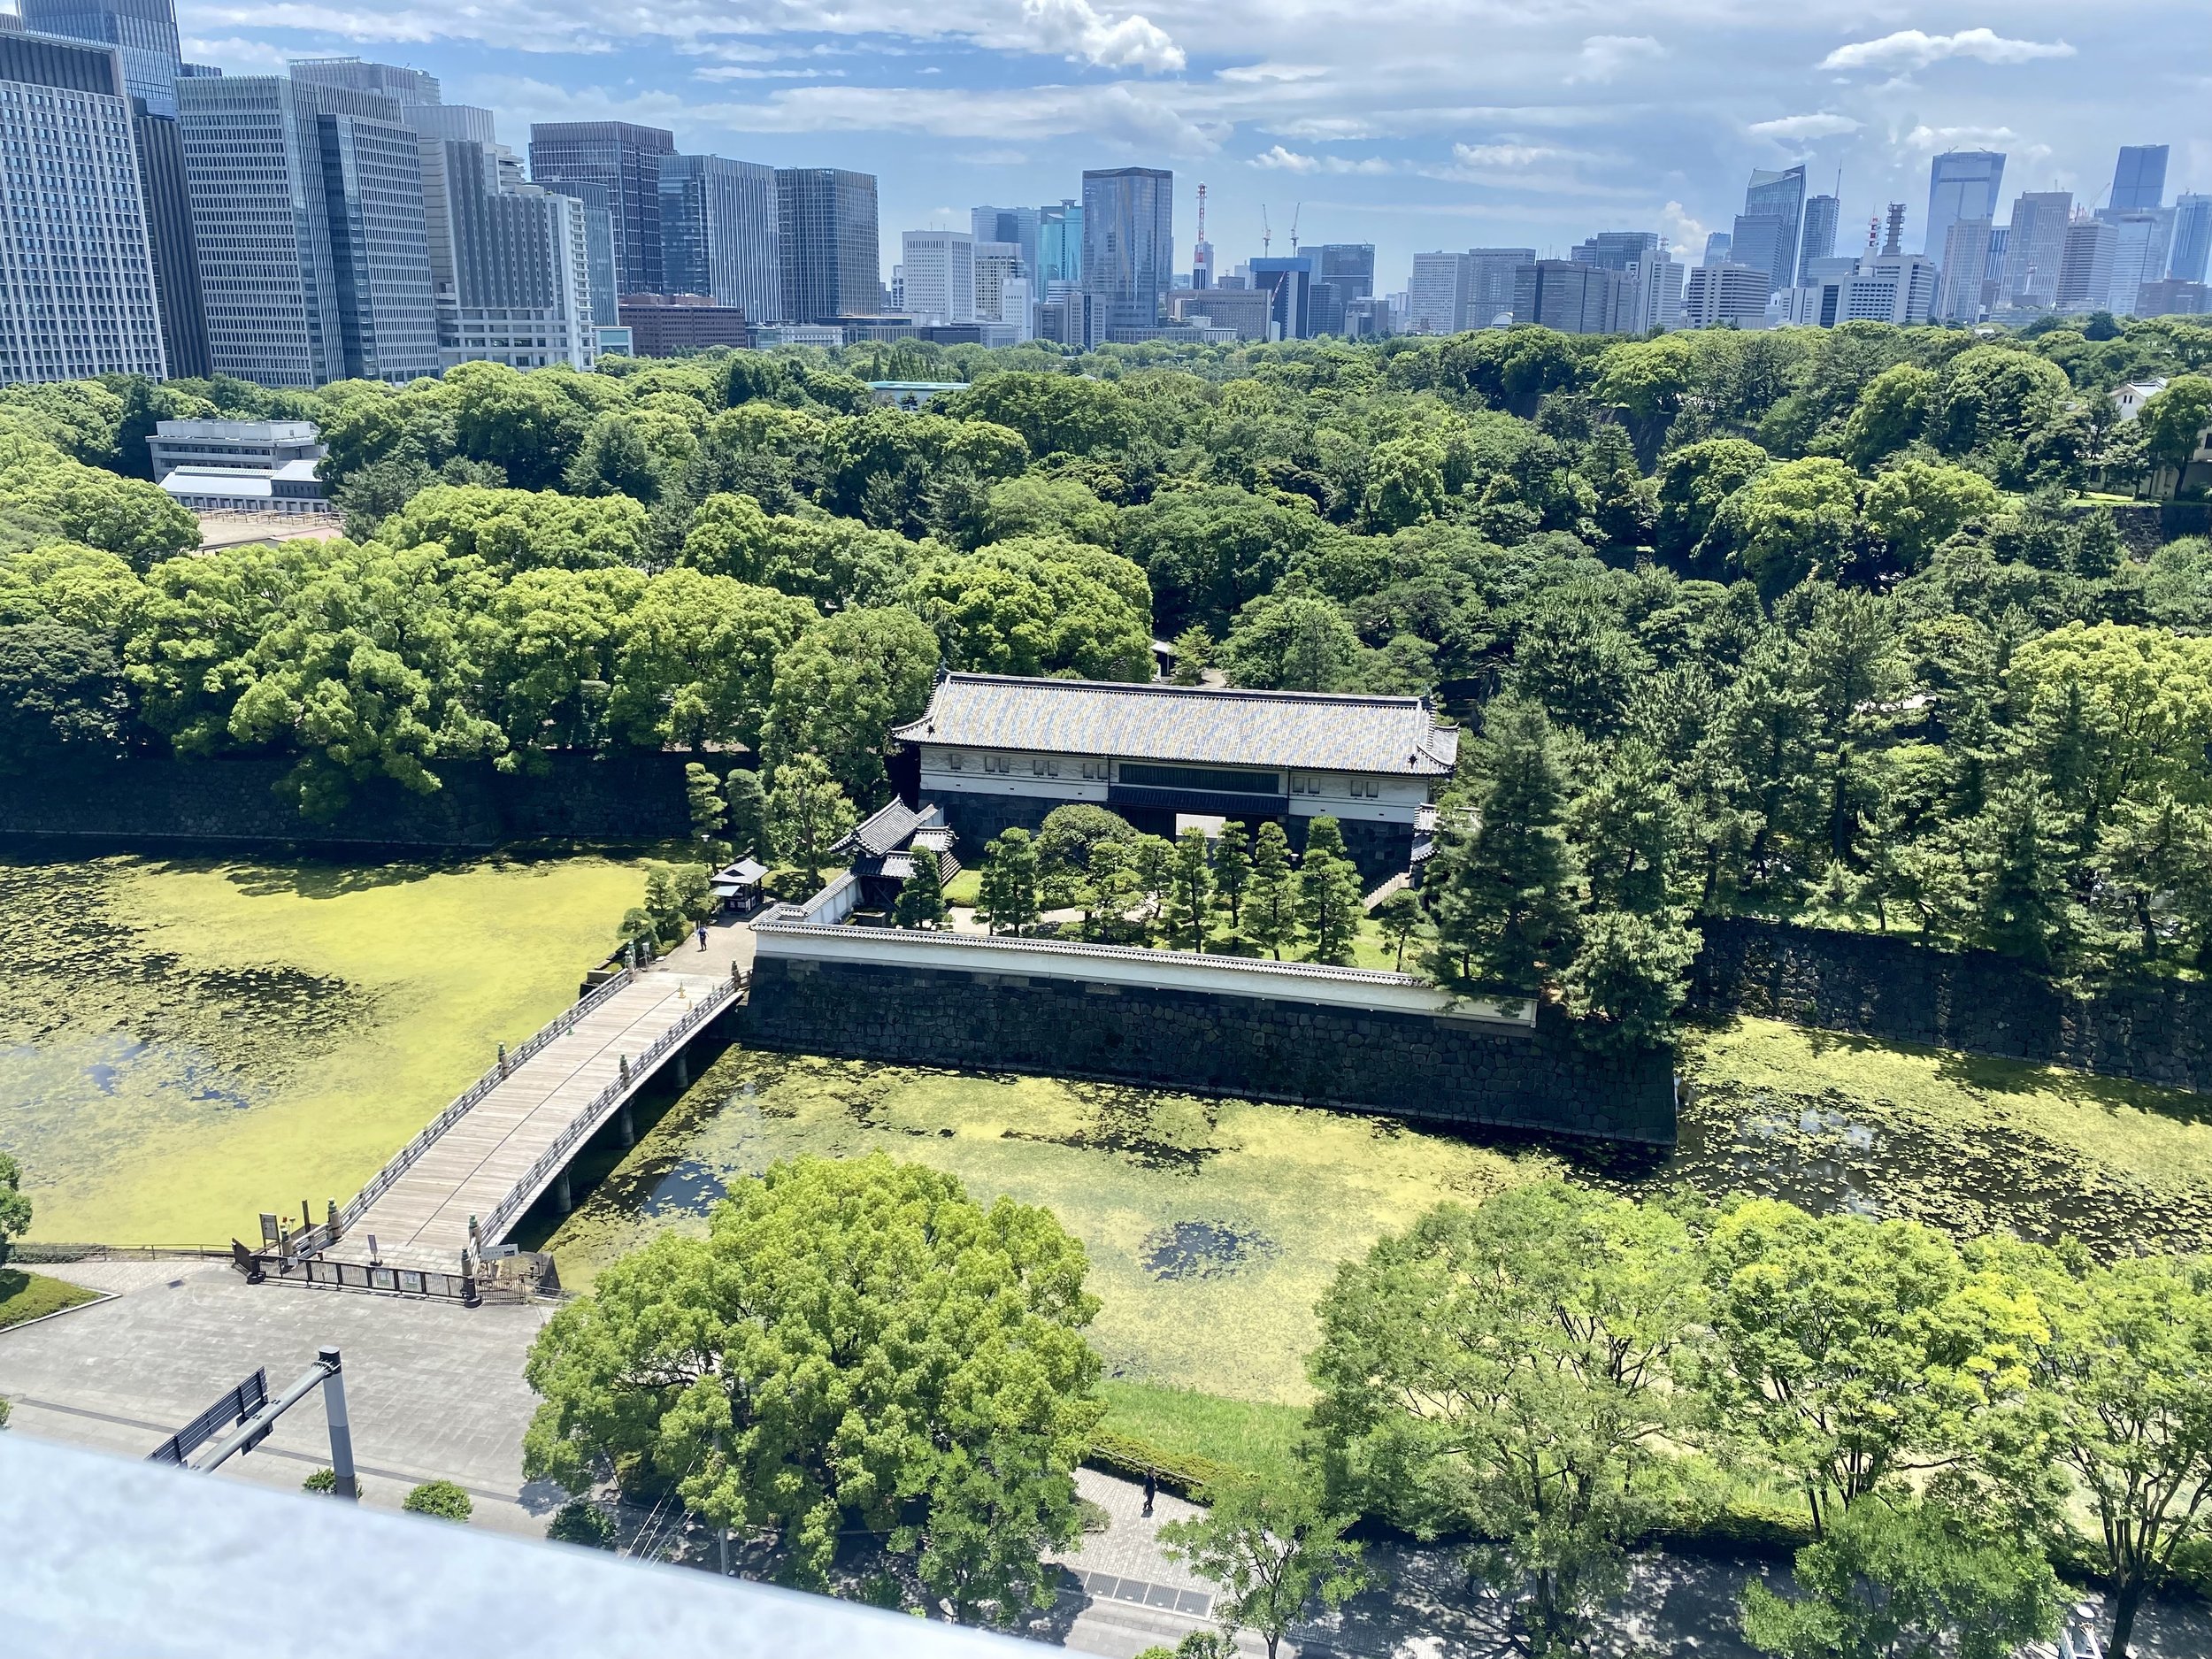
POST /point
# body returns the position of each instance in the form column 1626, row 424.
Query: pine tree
column 709, row 810
column 1402, row 917
column 1007, row 898
column 1271, row 908
column 1329, row 893
column 1504, row 906
column 748, row 810
column 1232, row 872
column 1190, row 892
column 1112, row 894
column 2026, row 908
column 921, row 901
column 806, row 813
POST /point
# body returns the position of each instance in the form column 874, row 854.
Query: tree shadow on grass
column 315, row 881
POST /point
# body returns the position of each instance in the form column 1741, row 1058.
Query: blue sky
column 1448, row 124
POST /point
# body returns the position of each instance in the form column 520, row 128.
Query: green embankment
column 188, row 1044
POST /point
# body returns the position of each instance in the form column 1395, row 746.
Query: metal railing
column 587, row 1122
column 404, row 1159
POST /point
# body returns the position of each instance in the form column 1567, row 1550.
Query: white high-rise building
column 2139, row 240
column 996, row 264
column 77, row 295
column 1654, row 292
column 1965, row 279
column 2035, row 247
column 939, row 272
column 1436, row 295
column 1726, row 293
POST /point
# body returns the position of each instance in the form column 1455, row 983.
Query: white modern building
column 77, row 289
column 1726, row 294
column 939, row 272
column 292, row 489
column 998, row 751
column 251, row 446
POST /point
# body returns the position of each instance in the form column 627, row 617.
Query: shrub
column 439, row 1498
column 580, row 1521
column 323, row 1480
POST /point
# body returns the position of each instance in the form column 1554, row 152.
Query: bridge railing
column 586, row 1123
column 405, row 1159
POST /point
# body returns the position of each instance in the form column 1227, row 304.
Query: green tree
column 15, row 1208
column 1329, row 910
column 1188, row 903
column 1232, row 874
column 921, row 901
column 1007, row 897
column 2154, row 859
column 580, row 1521
column 1916, row 507
column 1038, row 606
column 1518, row 1371
column 1403, row 919
column 60, row 688
column 748, row 811
column 710, row 812
column 807, row 812
column 2174, row 423
column 1276, row 1549
column 1503, row 897
column 1630, row 827
column 1271, row 897
column 2128, row 1371
column 615, row 459
column 1629, row 973
column 1856, row 1354
column 1111, row 894
column 1067, row 839
column 856, row 1345
column 1891, row 413
column 1293, row 644
column 441, row 1499
column 1795, row 519
column 1194, row 655
column 2020, row 867
column 843, row 686
column 1909, row 1580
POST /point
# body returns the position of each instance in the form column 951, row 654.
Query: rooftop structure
column 259, row 446
column 998, row 751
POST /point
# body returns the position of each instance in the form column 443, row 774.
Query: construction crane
column 1266, row 235
column 1294, row 212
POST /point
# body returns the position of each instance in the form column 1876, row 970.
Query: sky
column 1410, row 124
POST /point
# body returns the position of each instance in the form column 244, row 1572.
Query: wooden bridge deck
column 422, row 1219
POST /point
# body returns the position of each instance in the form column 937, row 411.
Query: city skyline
column 1456, row 131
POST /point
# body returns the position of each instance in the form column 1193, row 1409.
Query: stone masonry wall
column 1436, row 1070
column 2159, row 1031
column 236, row 802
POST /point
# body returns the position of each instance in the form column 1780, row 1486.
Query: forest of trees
column 1820, row 624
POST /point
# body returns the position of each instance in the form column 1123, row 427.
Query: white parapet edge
column 784, row 932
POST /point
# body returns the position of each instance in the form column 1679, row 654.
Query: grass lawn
column 1184, row 1422
column 192, row 1042
column 965, row 888
column 27, row 1296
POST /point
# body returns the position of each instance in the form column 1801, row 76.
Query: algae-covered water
column 185, row 1044
column 1213, row 1227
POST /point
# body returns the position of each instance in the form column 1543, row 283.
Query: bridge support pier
column 683, row 1066
column 562, row 1202
column 624, row 1126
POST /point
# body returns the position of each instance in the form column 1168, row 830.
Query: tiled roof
column 1198, row 723
column 884, row 831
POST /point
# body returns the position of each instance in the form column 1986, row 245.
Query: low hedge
column 1185, row 1474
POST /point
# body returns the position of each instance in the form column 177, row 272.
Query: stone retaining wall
column 240, row 801
column 1006, row 1013
column 2159, row 1031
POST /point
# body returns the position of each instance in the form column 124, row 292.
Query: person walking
column 703, row 935
column 1151, row 1487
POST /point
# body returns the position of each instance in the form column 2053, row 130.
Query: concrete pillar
column 562, row 1202
column 683, row 1066
column 625, row 1126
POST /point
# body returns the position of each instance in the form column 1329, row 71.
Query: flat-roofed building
column 257, row 446
column 999, row 751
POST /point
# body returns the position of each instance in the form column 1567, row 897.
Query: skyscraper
column 2035, row 245
column 307, row 208
column 1570, row 297
column 1965, row 266
column 1017, row 225
column 1493, row 277
column 1059, row 244
column 1128, row 245
column 2192, row 241
column 1436, row 293
column 1766, row 232
column 510, row 262
column 1342, row 272
column 827, row 239
column 405, row 86
column 2138, row 254
column 1961, row 184
column 939, row 269
column 143, row 32
column 626, row 160
column 1822, row 214
column 161, row 181
column 2139, row 181
column 719, row 235
column 77, row 295
column 1617, row 250
column 2084, row 270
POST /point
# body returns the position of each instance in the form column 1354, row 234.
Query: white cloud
column 1508, row 156
column 1605, row 56
column 1257, row 74
column 1826, row 124
column 1680, row 229
column 1283, row 160
column 1915, row 48
column 1075, row 29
